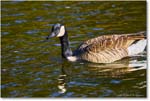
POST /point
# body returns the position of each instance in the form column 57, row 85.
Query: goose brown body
column 108, row 48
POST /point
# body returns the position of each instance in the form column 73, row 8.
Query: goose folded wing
column 108, row 42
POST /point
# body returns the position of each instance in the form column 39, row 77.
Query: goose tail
column 137, row 47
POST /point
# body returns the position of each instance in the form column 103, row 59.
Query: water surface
column 33, row 67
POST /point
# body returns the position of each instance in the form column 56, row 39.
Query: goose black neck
column 65, row 48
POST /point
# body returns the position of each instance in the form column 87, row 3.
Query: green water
column 33, row 67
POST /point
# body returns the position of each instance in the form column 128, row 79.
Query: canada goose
column 102, row 49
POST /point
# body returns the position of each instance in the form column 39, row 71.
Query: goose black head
column 58, row 30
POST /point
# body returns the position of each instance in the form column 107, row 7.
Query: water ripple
column 39, row 18
column 5, row 25
column 82, row 83
column 37, row 79
column 98, row 29
column 20, row 21
column 17, row 14
column 11, row 84
column 107, row 92
column 24, row 60
column 47, row 5
column 30, row 32
column 115, row 81
column 57, row 44
column 4, row 33
column 69, row 94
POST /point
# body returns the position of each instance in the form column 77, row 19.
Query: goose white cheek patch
column 61, row 32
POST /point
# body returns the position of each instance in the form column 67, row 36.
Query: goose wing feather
column 104, row 42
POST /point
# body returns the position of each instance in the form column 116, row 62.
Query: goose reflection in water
column 62, row 81
column 117, row 70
